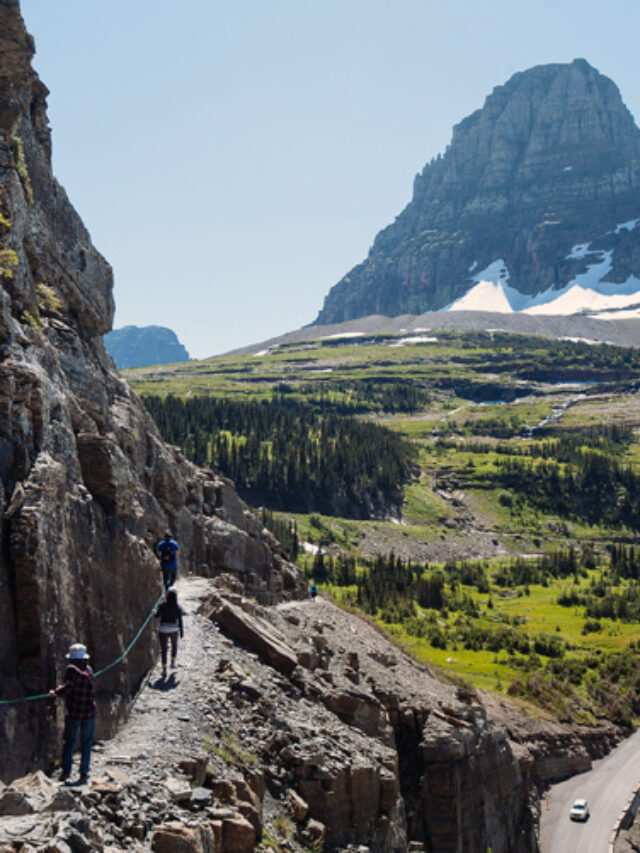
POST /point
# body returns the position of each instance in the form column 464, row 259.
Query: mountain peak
column 551, row 160
column 131, row 346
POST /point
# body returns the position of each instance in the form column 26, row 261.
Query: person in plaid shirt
column 78, row 689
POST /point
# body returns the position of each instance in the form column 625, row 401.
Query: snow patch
column 262, row 352
column 496, row 271
column 630, row 314
column 587, row 293
column 473, row 266
column 626, row 226
column 485, row 296
column 579, row 251
column 343, row 335
column 489, row 291
column 416, row 339
column 589, row 341
column 568, row 169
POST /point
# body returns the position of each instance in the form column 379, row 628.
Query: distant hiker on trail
column 167, row 552
column 78, row 689
column 170, row 615
column 313, row 591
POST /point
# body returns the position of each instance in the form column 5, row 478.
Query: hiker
column 167, row 552
column 78, row 689
column 170, row 615
column 313, row 591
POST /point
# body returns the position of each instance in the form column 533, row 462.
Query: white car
column 579, row 810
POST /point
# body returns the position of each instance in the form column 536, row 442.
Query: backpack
column 166, row 553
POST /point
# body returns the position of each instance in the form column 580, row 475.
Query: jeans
column 164, row 642
column 71, row 726
column 169, row 576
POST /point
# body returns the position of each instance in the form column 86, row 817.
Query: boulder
column 299, row 808
column 238, row 835
column 200, row 798
column 314, row 834
column 178, row 789
column 195, row 768
column 12, row 802
column 176, row 838
column 255, row 634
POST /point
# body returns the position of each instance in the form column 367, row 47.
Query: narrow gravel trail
column 168, row 714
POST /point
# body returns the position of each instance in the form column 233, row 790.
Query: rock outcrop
column 538, row 189
column 86, row 484
column 356, row 748
column 407, row 758
column 132, row 346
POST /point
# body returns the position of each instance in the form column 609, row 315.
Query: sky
column 232, row 161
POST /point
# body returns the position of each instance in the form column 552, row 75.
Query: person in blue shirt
column 167, row 552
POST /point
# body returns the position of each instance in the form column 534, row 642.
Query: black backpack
column 166, row 553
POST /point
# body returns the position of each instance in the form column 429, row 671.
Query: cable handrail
column 100, row 671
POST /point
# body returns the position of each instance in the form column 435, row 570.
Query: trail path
column 130, row 790
column 167, row 715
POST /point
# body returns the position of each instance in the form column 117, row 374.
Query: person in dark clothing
column 167, row 552
column 170, row 615
column 313, row 592
column 78, row 689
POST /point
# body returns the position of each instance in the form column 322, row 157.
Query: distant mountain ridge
column 134, row 346
column 533, row 207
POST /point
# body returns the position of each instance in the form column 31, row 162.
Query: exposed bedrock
column 86, row 484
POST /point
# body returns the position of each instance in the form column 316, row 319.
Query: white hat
column 78, row 652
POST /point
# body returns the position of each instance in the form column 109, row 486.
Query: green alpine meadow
column 475, row 494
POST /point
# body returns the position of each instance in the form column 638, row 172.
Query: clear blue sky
column 234, row 160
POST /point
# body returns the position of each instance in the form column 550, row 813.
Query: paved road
column 607, row 786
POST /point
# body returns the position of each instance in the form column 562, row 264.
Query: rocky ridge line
column 131, row 346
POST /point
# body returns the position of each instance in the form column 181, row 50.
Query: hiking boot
column 63, row 776
column 84, row 778
column 173, row 663
column 164, row 672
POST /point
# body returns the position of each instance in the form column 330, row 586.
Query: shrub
column 48, row 300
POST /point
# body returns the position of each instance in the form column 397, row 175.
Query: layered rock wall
column 86, row 485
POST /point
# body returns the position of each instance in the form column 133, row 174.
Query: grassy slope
column 449, row 512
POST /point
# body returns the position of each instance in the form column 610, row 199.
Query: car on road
column 579, row 810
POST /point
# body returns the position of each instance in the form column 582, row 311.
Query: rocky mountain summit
column 132, row 346
column 537, row 197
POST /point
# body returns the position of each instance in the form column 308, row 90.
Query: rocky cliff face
column 140, row 347
column 536, row 183
column 86, row 484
